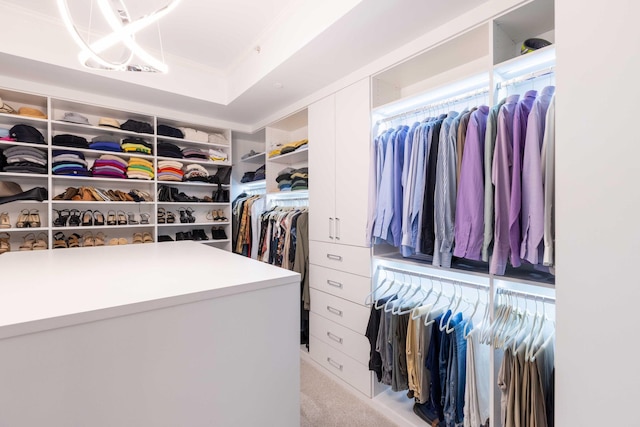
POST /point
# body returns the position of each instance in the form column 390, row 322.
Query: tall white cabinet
column 340, row 261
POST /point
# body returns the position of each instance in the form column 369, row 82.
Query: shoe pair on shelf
column 218, row 233
column 172, row 194
column 197, row 234
column 31, row 242
column 28, row 218
column 75, row 218
column 186, row 215
column 128, row 218
column 216, row 215
column 92, row 194
column 145, row 237
column 5, row 242
column 165, row 216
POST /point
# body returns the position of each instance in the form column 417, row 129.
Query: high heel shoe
column 162, row 216
column 132, row 218
column 171, row 218
column 34, row 218
column 190, row 217
column 122, row 218
column 111, row 218
column 5, row 221
column 144, row 218
column 183, row 216
column 98, row 218
column 5, row 243
column 221, row 216
column 60, row 241
column 23, row 219
column 87, row 218
column 61, row 220
column 27, row 242
column 74, row 218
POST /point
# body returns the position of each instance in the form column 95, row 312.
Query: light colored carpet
column 325, row 403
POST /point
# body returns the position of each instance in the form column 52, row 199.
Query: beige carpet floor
column 325, row 403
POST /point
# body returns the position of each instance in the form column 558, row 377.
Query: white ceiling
column 209, row 46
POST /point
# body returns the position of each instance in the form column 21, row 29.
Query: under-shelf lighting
column 123, row 30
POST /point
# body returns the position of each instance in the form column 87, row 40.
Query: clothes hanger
column 538, row 336
column 502, row 320
column 392, row 302
column 428, row 322
column 517, row 336
column 501, row 310
column 448, row 329
column 453, row 302
column 545, row 344
column 465, row 331
column 369, row 299
column 414, row 315
column 406, row 300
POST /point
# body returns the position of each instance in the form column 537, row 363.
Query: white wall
column 598, row 205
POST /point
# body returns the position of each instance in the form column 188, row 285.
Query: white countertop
column 43, row 290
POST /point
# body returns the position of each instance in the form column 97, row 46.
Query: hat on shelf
column 166, row 130
column 107, row 121
column 26, row 133
column 31, row 112
column 105, row 138
column 6, row 108
column 136, row 126
column 9, row 188
column 530, row 45
column 75, row 118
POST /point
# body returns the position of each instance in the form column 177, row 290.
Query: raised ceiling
column 210, row 47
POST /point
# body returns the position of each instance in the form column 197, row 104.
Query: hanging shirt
column 469, row 224
column 548, row 162
column 462, row 137
column 398, row 166
column 384, row 211
column 520, row 118
column 409, row 185
column 427, row 240
column 421, row 183
column 489, row 146
column 532, row 186
column 501, row 178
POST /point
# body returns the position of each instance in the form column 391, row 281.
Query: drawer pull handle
column 334, row 310
column 330, row 227
column 334, row 337
column 334, row 363
column 334, row 257
column 337, row 228
column 335, row 284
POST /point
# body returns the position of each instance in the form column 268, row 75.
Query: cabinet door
column 353, row 139
column 322, row 170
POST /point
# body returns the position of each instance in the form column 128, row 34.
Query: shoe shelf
column 195, row 203
column 93, row 179
column 191, row 183
column 23, row 144
column 101, row 152
column 24, row 229
column 194, row 224
column 23, row 175
column 99, row 227
column 215, row 241
column 100, row 202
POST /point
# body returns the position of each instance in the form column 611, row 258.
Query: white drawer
column 351, row 259
column 343, row 312
column 344, row 285
column 343, row 366
column 337, row 336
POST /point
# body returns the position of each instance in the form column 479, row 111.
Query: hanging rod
column 438, row 104
column 438, row 278
column 527, row 295
column 525, row 77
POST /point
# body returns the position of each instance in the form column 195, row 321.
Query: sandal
column 5, row 243
column 88, row 240
column 87, row 218
column 5, row 222
column 61, row 220
column 34, row 218
column 60, row 240
column 27, row 244
column 122, row 218
column 111, row 218
column 98, row 218
column 96, row 195
column 190, row 217
column 137, row 238
column 113, row 242
column 221, row 216
column 86, row 195
column 171, row 218
column 23, row 219
column 74, row 240
column 74, row 218
column 122, row 241
column 41, row 242
column 132, row 218
column 161, row 216
column 183, row 216
column 99, row 239
column 147, row 237
column 144, row 218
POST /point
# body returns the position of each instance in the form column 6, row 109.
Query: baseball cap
column 26, row 133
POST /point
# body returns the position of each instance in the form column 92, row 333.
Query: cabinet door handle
column 334, row 337
column 330, row 228
column 334, row 257
column 334, row 363
column 337, row 228
column 334, row 310
column 335, row 284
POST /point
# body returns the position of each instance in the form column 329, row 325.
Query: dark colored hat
column 26, row 133
column 530, row 45
column 70, row 141
column 170, row 131
column 136, row 126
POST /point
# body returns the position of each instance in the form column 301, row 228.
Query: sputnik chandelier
column 123, row 33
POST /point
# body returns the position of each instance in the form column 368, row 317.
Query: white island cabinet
column 168, row 334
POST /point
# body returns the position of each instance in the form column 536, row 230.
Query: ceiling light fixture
column 123, row 31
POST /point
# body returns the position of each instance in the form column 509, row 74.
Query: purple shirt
column 501, row 178
column 520, row 117
column 532, row 187
column 469, row 223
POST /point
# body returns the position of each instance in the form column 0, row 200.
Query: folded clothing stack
column 194, row 153
column 284, row 179
column 167, row 149
column 218, row 138
column 195, row 173
column 288, row 148
column 136, row 126
column 195, row 135
column 170, row 170
column 256, row 175
column 105, row 143
column 170, row 131
column 25, row 160
column 67, row 162
column 67, row 140
column 136, row 145
column 110, row 166
column 300, row 179
column 140, row 169
column 218, row 155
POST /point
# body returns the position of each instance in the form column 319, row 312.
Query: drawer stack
column 340, row 280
